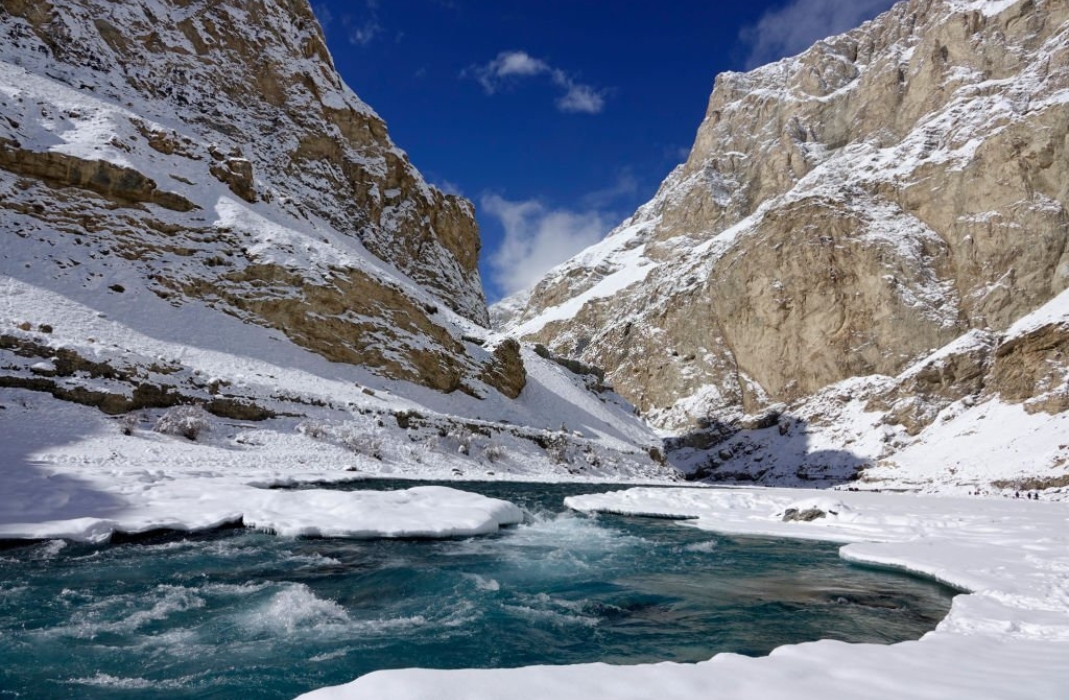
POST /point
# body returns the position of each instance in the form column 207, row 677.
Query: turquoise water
column 240, row 614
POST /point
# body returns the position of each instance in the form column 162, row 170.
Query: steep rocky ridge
column 842, row 213
column 202, row 223
column 253, row 83
column 210, row 152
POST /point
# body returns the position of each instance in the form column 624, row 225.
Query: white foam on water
column 50, row 549
column 9, row 592
column 70, row 596
column 389, row 624
column 183, row 642
column 104, row 680
column 229, row 548
column 312, row 560
column 170, row 546
column 484, row 584
column 573, row 531
column 463, row 613
column 542, row 606
column 233, row 589
column 558, row 619
column 706, row 547
column 565, row 546
column 330, row 655
column 545, row 599
column 124, row 613
column 297, row 609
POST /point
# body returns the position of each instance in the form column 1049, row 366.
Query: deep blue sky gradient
column 417, row 63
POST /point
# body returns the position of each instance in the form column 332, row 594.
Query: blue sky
column 558, row 118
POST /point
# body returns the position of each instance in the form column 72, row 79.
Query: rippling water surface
column 240, row 614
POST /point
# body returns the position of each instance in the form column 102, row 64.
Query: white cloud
column 507, row 66
column 538, row 238
column 361, row 33
column 510, row 66
column 517, row 63
column 798, row 25
column 581, row 98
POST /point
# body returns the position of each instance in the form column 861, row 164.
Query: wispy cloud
column 579, row 98
column 625, row 186
column 796, row 26
column 359, row 31
column 537, row 238
column 449, row 187
column 509, row 67
column 504, row 69
column 677, row 154
column 363, row 33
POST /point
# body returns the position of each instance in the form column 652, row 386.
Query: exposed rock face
column 507, row 374
column 255, row 76
column 1033, row 368
column 210, row 153
column 842, row 213
column 958, row 371
column 119, row 184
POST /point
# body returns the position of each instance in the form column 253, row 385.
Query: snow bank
column 153, row 500
column 1007, row 639
column 423, row 511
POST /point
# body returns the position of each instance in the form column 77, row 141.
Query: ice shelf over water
column 198, row 504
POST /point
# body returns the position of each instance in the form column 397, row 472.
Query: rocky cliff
column 208, row 153
column 213, row 254
column 845, row 213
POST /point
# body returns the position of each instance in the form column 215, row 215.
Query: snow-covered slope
column 870, row 222
column 242, row 94
column 211, row 157
column 198, row 212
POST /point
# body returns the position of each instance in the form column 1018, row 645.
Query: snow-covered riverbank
column 1007, row 638
column 70, row 472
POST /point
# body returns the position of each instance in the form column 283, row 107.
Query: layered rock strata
column 210, row 153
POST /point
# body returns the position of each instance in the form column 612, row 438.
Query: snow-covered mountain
column 197, row 210
column 849, row 262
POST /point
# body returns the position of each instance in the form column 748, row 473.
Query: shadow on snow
column 773, row 450
column 29, row 491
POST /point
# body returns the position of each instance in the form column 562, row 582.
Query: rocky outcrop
column 210, row 155
column 842, row 213
column 959, row 371
column 253, row 78
column 321, row 319
column 507, row 374
column 1033, row 368
column 235, row 173
column 115, row 183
